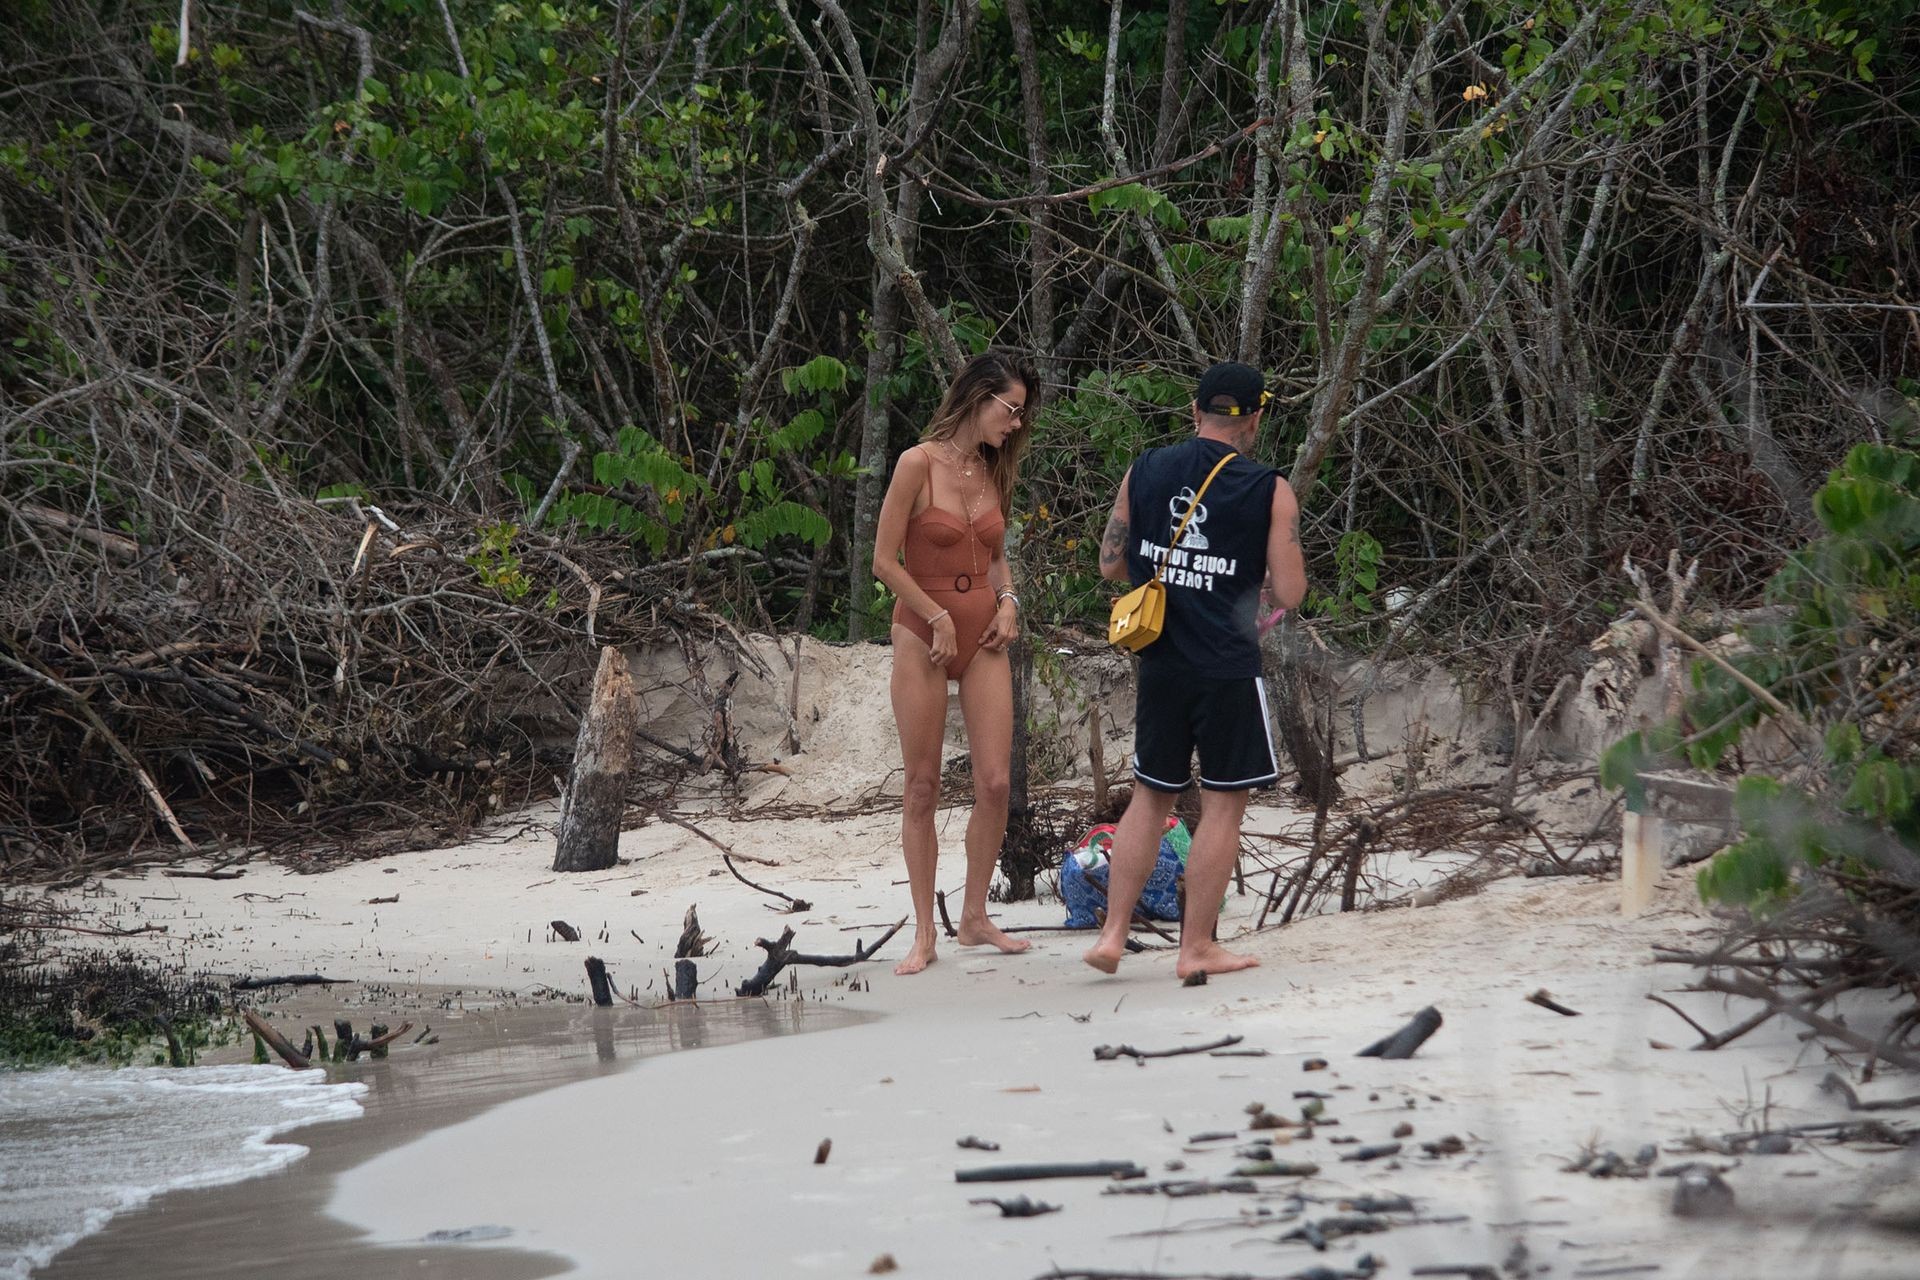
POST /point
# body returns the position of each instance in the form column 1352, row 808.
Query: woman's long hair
column 979, row 380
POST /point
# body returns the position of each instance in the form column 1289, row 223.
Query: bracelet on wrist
column 936, row 617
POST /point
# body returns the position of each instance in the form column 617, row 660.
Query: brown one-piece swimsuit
column 949, row 561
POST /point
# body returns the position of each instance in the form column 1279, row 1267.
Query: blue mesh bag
column 1083, row 879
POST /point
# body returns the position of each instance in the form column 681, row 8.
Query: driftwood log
column 780, row 954
column 275, row 1041
column 348, row 1046
column 1403, row 1043
column 1108, row 1052
column 1029, row 1172
column 597, row 788
column 291, row 980
column 685, row 979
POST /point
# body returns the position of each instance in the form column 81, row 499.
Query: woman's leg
column 986, row 700
column 920, row 712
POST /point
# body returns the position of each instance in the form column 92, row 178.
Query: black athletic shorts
column 1176, row 711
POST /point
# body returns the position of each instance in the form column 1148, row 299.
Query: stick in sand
column 291, row 980
column 1030, row 1172
column 1404, row 1042
column 1108, row 1052
column 277, row 1042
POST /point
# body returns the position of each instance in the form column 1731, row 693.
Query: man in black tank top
column 1199, row 683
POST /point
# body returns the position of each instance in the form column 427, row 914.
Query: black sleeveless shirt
column 1213, row 577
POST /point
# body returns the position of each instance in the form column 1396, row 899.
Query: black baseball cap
column 1232, row 389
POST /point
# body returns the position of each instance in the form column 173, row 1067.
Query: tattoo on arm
column 1113, row 546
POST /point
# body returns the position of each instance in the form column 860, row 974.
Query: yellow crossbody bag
column 1140, row 615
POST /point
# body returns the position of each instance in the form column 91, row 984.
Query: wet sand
column 278, row 1225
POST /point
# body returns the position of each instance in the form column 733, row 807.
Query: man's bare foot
column 1105, row 956
column 985, row 933
column 917, row 959
column 1211, row 958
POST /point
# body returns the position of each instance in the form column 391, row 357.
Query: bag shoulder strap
column 1182, row 530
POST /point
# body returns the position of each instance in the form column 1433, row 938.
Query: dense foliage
column 1828, row 854
column 1537, row 284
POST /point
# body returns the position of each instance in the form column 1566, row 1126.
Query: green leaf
column 1229, row 230
column 799, row 433
column 822, row 373
column 783, row 519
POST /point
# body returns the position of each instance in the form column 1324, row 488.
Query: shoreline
column 487, row 1057
column 653, row 1170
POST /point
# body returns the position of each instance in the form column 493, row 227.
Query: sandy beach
column 656, row 1168
column 553, row 1137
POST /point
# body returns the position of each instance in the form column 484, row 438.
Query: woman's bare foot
column 1210, row 957
column 919, row 958
column 1105, row 956
column 985, row 933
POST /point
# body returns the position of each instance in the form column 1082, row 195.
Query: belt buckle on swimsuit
column 963, row 582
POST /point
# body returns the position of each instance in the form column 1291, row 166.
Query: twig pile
column 1807, row 955
column 1498, row 833
column 254, row 668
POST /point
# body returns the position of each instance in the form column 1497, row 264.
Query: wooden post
column 1642, row 836
column 602, row 984
column 597, row 788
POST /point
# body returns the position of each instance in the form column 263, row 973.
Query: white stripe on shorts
column 1273, row 764
column 1153, row 781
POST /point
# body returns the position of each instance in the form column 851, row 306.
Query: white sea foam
column 78, row 1146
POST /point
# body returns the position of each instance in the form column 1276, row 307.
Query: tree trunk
column 1291, row 705
column 597, row 789
column 1017, row 856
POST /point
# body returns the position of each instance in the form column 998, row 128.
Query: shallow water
column 78, row 1146
column 276, row 1224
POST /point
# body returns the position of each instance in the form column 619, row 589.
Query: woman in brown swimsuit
column 955, row 615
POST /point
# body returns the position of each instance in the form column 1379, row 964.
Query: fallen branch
column 1546, row 1001
column 1033, row 1172
column 1018, row 1206
column 682, row 823
column 1408, row 1039
column 794, row 905
column 1741, row 985
column 1834, row 1084
column 275, row 1041
column 382, row 1038
column 1109, row 1052
column 1179, row 1188
column 1661, row 1000
column 780, row 954
column 291, row 980
column 97, row 933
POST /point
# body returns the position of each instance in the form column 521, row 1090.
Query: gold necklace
column 973, row 539
column 970, row 460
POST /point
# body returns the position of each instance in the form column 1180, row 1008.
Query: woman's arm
column 1004, row 629
column 890, row 535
